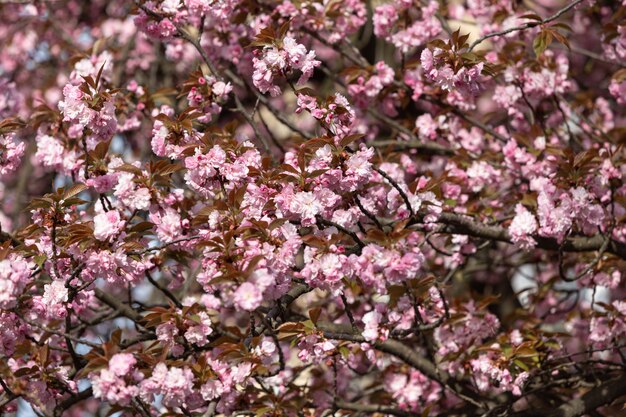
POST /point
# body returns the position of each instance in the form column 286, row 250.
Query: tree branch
column 603, row 394
column 463, row 225
column 526, row 25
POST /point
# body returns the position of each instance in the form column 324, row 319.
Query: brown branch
column 58, row 333
column 357, row 240
column 463, row 225
column 165, row 245
column 373, row 408
column 526, row 25
column 10, row 395
column 74, row 399
column 598, row 396
column 115, row 304
column 427, row 148
column 399, row 189
column 404, row 353
column 164, row 290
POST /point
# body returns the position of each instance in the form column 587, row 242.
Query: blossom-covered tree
column 313, row 208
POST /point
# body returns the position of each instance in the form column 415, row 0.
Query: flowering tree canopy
column 313, row 208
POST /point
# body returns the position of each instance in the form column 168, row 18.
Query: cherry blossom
column 220, row 207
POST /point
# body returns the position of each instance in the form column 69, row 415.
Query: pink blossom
column 618, row 91
column 358, row 168
column 247, row 297
column 11, row 152
column 168, row 224
column 118, row 383
column 276, row 62
column 175, row 384
column 325, row 271
column 472, row 327
column 115, row 267
column 405, row 37
column 52, row 154
column 132, row 194
column 481, row 174
column 523, row 226
column 108, row 225
column 411, row 390
column 426, row 126
column 372, row 320
column 202, row 169
column 198, row 332
column 307, row 206
column 364, row 90
column 76, row 110
column 55, row 295
column 15, row 274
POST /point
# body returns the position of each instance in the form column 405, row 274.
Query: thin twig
column 164, row 290
column 526, row 25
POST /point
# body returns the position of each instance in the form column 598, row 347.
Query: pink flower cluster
column 411, row 389
column 205, row 169
column 486, row 370
column 427, row 126
column 195, row 330
column 169, row 225
column 389, row 18
column 108, row 225
column 248, row 296
column 306, row 205
column 279, row 61
column 375, row 266
column 474, row 327
column 161, row 29
column 15, row 274
column 333, row 21
column 604, row 328
column 165, row 141
column 618, row 91
column 407, row 183
column 114, row 266
column 465, row 81
column 132, row 193
column 90, row 66
column 615, row 48
column 175, row 384
column 325, row 270
column 523, row 226
column 76, row 109
column 551, row 77
column 558, row 210
column 314, row 348
column 372, row 330
column 547, row 78
column 118, row 383
column 11, row 152
column 52, row 304
column 367, row 88
column 53, row 156
column 12, row 330
column 335, row 113
column 482, row 9
column 378, row 267
column 209, row 96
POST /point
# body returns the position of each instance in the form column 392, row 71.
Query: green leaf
column 540, row 44
column 521, row 365
column 39, row 260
